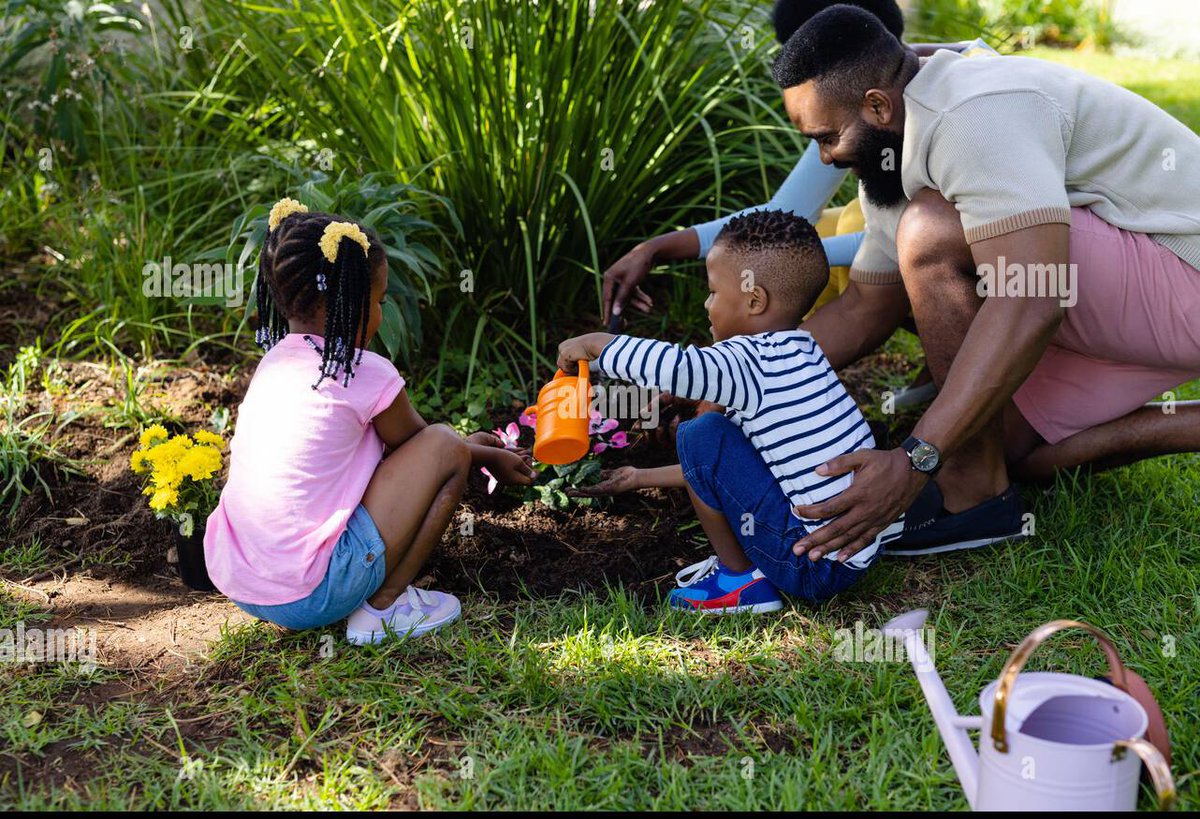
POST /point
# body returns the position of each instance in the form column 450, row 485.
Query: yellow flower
column 283, row 209
column 164, row 460
column 162, row 498
column 137, row 461
column 200, row 463
column 153, row 435
column 203, row 436
column 335, row 232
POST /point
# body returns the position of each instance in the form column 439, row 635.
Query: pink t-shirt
column 299, row 463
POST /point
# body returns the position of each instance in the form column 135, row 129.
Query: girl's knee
column 452, row 451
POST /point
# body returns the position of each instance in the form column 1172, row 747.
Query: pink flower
column 528, row 419
column 492, row 482
column 599, row 447
column 509, row 435
column 599, row 425
column 619, row 440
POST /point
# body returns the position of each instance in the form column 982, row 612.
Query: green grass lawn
column 601, row 700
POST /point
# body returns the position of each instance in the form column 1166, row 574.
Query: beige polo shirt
column 1018, row 142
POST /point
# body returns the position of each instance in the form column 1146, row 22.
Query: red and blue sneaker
column 709, row 587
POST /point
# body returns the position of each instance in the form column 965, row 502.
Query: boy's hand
column 581, row 348
column 612, row 482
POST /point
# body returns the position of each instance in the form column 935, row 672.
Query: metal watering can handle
column 1156, row 765
column 1008, row 677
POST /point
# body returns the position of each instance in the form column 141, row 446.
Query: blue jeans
column 726, row 472
column 357, row 569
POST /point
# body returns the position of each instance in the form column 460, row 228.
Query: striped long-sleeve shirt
column 779, row 389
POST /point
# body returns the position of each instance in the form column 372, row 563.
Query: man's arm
column 858, row 321
column 1004, row 344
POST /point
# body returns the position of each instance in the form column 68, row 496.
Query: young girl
column 338, row 489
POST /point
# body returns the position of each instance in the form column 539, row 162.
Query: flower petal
column 492, row 482
column 619, row 440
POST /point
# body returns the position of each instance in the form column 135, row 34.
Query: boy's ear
column 757, row 300
column 756, row 297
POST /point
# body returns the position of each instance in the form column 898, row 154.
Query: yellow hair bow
column 335, row 232
column 282, row 210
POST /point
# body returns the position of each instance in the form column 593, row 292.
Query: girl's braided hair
column 296, row 276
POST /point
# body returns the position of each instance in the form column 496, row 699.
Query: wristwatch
column 925, row 457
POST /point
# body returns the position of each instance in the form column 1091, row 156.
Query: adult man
column 970, row 167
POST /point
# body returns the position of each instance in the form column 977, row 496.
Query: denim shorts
column 357, row 569
column 728, row 474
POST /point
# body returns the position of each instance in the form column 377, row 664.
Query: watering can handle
column 1156, row 764
column 1017, row 660
column 583, row 373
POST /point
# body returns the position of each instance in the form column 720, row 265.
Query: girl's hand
column 506, row 465
column 613, row 482
column 482, row 438
column 511, row 466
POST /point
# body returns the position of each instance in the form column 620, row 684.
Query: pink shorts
column 1132, row 335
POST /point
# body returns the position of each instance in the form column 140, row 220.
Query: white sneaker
column 415, row 612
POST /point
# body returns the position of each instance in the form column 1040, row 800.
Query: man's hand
column 622, row 280
column 612, row 482
column 581, row 348
column 885, row 485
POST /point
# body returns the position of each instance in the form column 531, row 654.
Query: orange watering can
column 561, row 435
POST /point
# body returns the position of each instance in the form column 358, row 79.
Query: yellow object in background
column 835, row 222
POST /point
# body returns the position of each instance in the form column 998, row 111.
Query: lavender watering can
column 1048, row 741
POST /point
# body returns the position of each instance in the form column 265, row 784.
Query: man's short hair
column 790, row 15
column 783, row 253
column 846, row 50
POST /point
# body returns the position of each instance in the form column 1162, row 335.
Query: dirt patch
column 518, row 548
column 28, row 302
column 106, row 566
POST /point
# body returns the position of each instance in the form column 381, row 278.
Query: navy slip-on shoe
column 929, row 529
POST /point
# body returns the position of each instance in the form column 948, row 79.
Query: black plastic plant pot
column 192, row 569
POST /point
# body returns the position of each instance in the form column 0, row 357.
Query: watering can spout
column 909, row 628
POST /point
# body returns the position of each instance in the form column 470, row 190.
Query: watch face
column 924, row 457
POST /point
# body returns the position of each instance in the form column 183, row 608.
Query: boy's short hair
column 790, row 15
column 783, row 253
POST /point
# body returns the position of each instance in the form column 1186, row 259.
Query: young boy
column 786, row 414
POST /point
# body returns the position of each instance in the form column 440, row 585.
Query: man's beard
column 879, row 168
